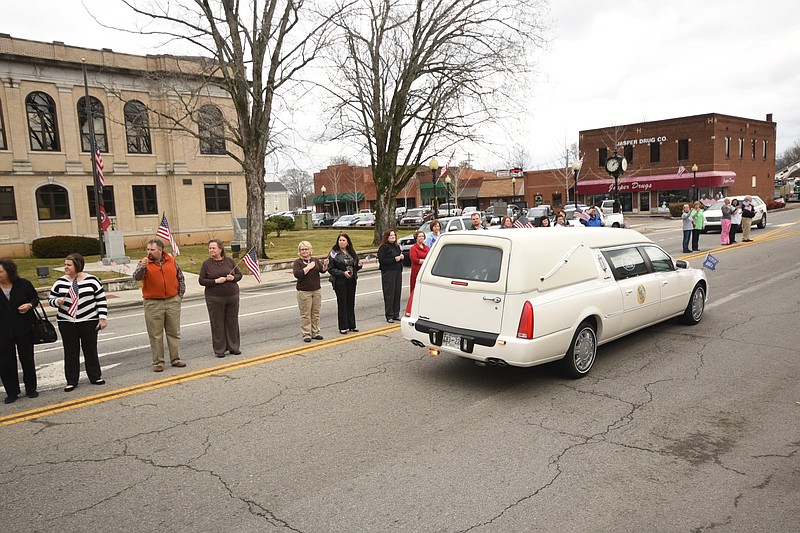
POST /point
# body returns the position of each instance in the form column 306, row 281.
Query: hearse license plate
column 451, row 341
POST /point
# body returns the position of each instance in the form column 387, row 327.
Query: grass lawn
column 285, row 247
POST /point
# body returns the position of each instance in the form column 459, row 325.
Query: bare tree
column 255, row 52
column 414, row 75
column 297, row 183
column 789, row 156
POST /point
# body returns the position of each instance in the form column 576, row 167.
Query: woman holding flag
column 82, row 312
column 220, row 276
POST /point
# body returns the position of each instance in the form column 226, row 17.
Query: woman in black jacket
column 390, row 260
column 343, row 266
column 17, row 300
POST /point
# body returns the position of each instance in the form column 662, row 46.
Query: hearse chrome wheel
column 582, row 351
column 695, row 307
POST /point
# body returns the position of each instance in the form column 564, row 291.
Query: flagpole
column 98, row 193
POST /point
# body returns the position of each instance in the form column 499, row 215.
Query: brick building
column 733, row 156
column 46, row 181
column 349, row 188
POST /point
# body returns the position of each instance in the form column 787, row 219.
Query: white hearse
column 524, row 297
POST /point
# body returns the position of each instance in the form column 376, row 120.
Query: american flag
column 99, row 160
column 164, row 232
column 447, row 165
column 251, row 262
column 681, row 170
column 523, row 222
column 582, row 215
column 73, row 293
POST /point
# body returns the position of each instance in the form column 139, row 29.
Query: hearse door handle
column 495, row 299
column 628, row 292
column 665, row 282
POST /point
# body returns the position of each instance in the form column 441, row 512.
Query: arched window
column 52, row 202
column 99, row 121
column 42, row 123
column 137, row 128
column 211, row 128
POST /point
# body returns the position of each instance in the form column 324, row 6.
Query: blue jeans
column 687, row 235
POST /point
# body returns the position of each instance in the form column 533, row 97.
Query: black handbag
column 44, row 332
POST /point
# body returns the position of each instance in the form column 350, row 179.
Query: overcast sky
column 609, row 63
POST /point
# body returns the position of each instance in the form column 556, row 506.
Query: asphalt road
column 676, row 428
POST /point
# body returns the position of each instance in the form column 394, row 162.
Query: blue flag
column 711, row 262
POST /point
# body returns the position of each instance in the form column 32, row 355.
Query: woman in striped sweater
column 82, row 312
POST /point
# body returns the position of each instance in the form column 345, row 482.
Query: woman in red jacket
column 417, row 254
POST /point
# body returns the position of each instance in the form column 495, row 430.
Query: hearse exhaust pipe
column 496, row 362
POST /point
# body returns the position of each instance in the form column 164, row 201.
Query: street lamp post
column 434, row 166
column 324, row 200
column 576, row 168
column 303, row 203
column 447, row 182
column 694, row 173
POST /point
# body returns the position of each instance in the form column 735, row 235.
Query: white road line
column 749, row 290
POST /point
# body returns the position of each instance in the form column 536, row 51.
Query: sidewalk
column 270, row 278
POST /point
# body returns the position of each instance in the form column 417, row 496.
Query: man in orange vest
column 163, row 286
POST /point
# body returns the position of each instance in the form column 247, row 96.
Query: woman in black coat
column 390, row 259
column 343, row 267
column 17, row 300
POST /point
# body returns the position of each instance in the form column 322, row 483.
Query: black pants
column 392, row 284
column 346, row 304
column 732, row 233
column 695, row 240
column 76, row 336
column 21, row 345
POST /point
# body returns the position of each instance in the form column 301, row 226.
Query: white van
column 525, row 297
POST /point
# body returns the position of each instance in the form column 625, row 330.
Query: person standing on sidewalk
column 688, row 226
column 17, row 300
column 220, row 277
column 725, row 222
column 82, row 312
column 163, row 287
column 390, row 260
column 306, row 270
column 699, row 222
column 748, row 213
column 736, row 220
column 343, row 267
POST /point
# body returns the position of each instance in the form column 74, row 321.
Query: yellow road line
column 188, row 376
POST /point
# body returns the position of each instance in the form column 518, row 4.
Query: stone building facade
column 150, row 166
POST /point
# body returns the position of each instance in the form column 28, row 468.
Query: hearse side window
column 468, row 262
column 456, row 225
column 626, row 263
column 659, row 259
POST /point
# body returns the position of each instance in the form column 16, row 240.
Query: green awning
column 341, row 197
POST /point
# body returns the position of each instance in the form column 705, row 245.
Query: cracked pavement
column 675, row 429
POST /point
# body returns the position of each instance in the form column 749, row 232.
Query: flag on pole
column 251, row 262
column 73, row 293
column 681, row 170
column 164, row 232
column 104, row 222
column 99, row 160
column 447, row 165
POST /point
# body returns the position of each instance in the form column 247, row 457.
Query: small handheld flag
column 711, row 262
column 164, row 232
column 251, row 262
column 523, row 222
column 73, row 293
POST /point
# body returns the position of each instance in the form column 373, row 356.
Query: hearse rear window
column 468, row 262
